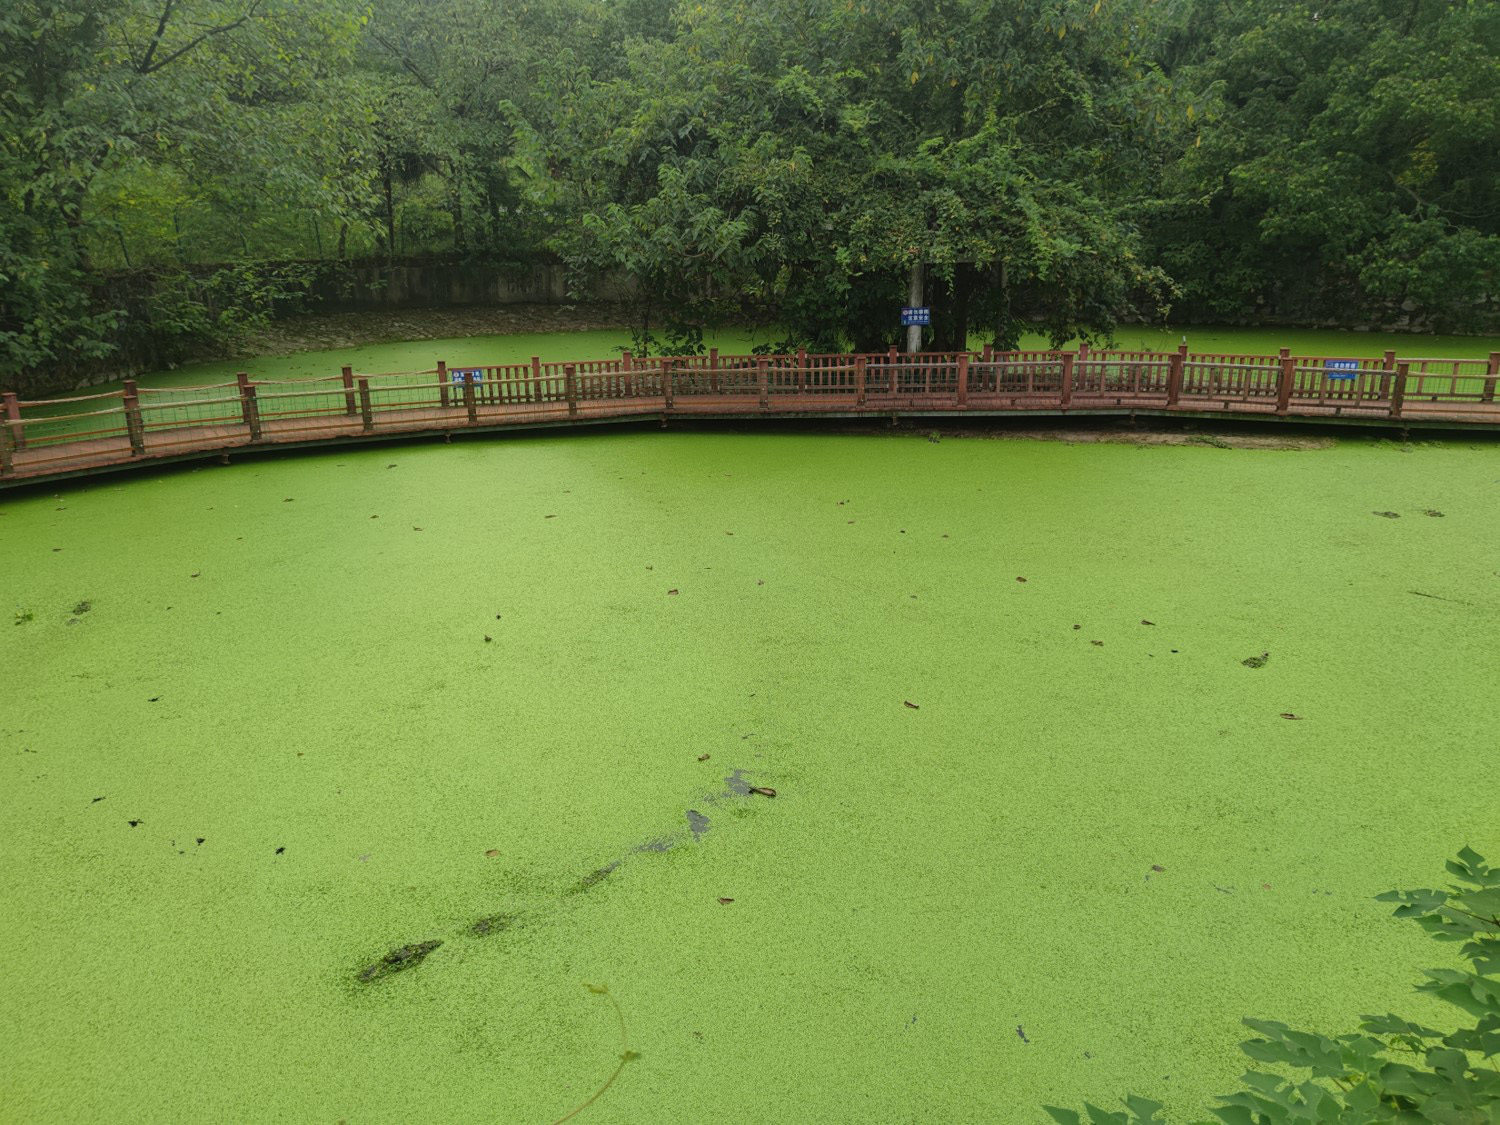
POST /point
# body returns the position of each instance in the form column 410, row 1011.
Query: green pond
column 1038, row 835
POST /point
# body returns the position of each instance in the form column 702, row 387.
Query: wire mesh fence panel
column 39, row 430
column 1449, row 380
column 187, row 414
column 1016, row 374
column 1119, row 379
column 1332, row 381
column 1248, row 379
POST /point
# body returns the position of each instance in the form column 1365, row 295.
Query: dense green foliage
column 1392, row 1069
column 165, row 163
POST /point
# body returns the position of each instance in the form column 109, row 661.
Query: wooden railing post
column 536, row 376
column 470, row 406
column 1284, row 382
column 1490, row 376
column 13, row 421
column 859, row 380
column 713, row 370
column 963, row 379
column 1387, row 369
column 442, row 374
column 1068, row 359
column 570, row 387
column 1176, row 365
column 762, row 382
column 349, row 407
column 666, row 381
column 249, row 407
column 989, row 353
column 890, row 359
column 134, row 426
column 1398, row 389
column 6, row 464
column 627, row 365
column 366, row 411
column 801, row 370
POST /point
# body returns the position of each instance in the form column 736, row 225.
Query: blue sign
column 1341, row 368
column 910, row 316
column 473, row 376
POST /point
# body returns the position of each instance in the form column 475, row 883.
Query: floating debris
column 1020, row 579
column 1289, row 715
column 1432, row 512
column 134, row 823
column 488, row 639
column 725, row 901
column 673, row 591
column 1256, row 661
column 491, row 853
column 763, row 791
column 398, row 960
column 1145, row 622
column 281, row 850
column 1387, row 515
column 492, row 924
column 909, row 703
column 704, row 757
column 1097, row 644
column 1157, row 867
column 96, row 800
column 83, row 607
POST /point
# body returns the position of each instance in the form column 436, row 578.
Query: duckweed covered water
column 324, row 712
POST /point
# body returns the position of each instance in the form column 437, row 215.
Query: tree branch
column 146, row 66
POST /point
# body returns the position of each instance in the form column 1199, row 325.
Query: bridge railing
column 83, row 431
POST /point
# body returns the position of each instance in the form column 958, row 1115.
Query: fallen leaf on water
column 1157, row 867
column 671, row 591
column 1099, row 643
column 725, row 901
column 551, row 517
column 280, row 851
column 703, row 757
column 1387, row 515
column 1020, row 579
column 1077, row 627
column 763, row 791
column 492, row 853
column 1289, row 715
column 1145, row 622
column 289, row 499
column 913, row 706
column 374, row 517
column 133, row 823
column 488, row 638
column 195, row 574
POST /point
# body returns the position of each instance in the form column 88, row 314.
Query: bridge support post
column 249, row 407
column 1398, row 389
column 349, row 407
column 470, row 406
column 1284, row 382
column 1490, row 377
column 13, row 421
column 963, row 380
column 442, row 374
column 859, row 380
column 570, row 387
column 1175, row 367
column 1068, row 359
column 366, row 411
column 134, row 426
column 762, row 383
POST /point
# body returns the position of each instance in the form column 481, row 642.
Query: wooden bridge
column 61, row 437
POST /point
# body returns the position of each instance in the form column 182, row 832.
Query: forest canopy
column 173, row 169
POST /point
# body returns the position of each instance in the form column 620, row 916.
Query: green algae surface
column 338, row 787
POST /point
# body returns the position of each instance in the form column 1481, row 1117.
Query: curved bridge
column 52, row 438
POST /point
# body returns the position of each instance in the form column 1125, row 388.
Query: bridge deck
column 143, row 430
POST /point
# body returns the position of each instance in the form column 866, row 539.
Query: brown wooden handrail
column 184, row 421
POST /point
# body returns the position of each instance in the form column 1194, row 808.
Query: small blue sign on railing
column 470, row 376
column 910, row 316
column 1341, row 368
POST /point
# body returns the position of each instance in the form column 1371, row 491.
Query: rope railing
column 159, row 421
